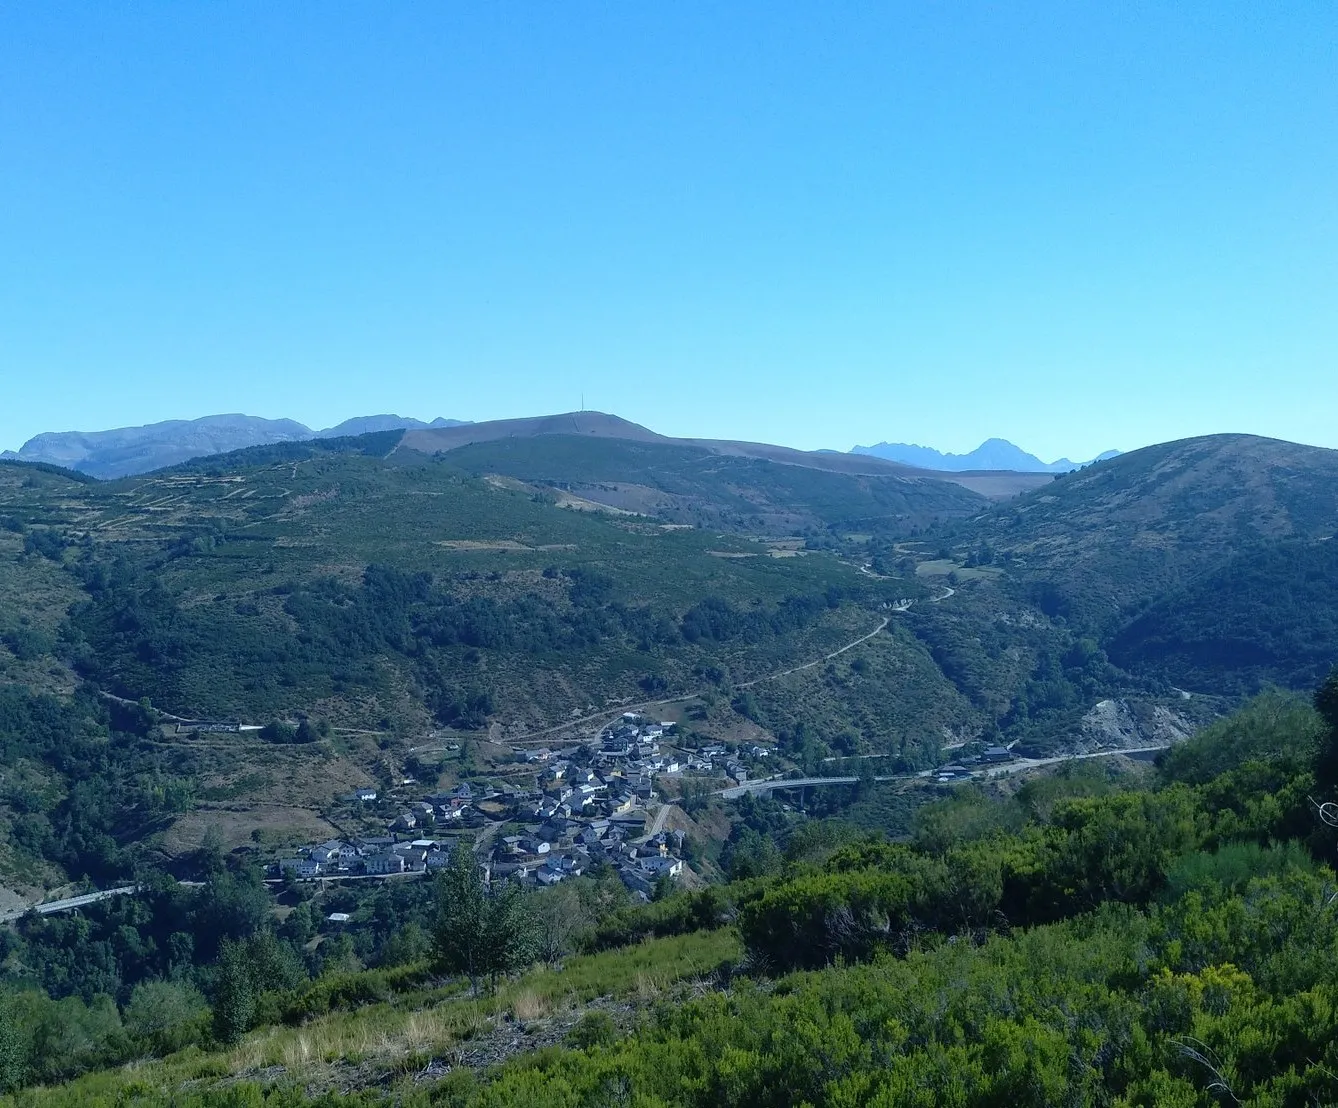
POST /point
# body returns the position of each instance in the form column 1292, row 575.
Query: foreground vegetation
column 1086, row 941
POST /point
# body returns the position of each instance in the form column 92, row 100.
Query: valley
column 436, row 583
column 670, row 750
column 623, row 677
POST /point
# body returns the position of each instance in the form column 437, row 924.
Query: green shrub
column 594, row 1029
column 1232, row 867
column 165, row 1016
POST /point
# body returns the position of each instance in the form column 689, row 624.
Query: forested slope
column 1122, row 532
column 390, row 593
column 1268, row 615
column 308, row 578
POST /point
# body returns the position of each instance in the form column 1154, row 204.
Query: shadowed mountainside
column 1126, row 529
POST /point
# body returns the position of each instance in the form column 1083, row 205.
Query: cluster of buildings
column 559, row 850
column 584, row 808
column 365, row 856
column 590, row 809
column 991, row 756
column 405, row 849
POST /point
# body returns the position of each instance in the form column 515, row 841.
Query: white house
column 300, row 867
column 658, row 866
column 385, row 863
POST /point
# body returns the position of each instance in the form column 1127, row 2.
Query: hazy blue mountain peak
column 363, row 425
column 126, row 451
column 992, row 454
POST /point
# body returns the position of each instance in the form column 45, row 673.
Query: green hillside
column 1204, row 563
column 388, row 595
column 695, row 485
column 1084, row 940
column 1265, row 616
column 388, row 598
column 392, row 600
column 366, row 590
column 1120, row 533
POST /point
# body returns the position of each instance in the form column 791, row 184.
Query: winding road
column 657, row 825
column 816, row 661
column 610, row 713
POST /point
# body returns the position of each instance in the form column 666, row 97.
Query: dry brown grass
column 528, row 1005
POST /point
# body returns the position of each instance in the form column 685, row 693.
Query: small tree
column 164, row 1016
column 462, row 917
column 234, row 996
column 276, row 731
column 479, row 934
column 512, row 935
column 13, row 1049
column 559, row 915
column 1326, row 753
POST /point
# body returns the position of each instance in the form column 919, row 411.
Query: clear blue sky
column 1075, row 225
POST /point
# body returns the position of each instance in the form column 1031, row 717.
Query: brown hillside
column 602, row 425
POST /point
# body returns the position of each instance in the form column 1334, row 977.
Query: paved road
column 755, row 787
column 770, row 785
column 1030, row 763
column 51, row 907
column 605, row 713
column 484, row 841
column 657, row 825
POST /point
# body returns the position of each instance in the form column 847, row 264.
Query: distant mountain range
column 990, row 454
column 126, row 451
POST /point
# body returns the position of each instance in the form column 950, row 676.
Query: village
column 589, row 806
